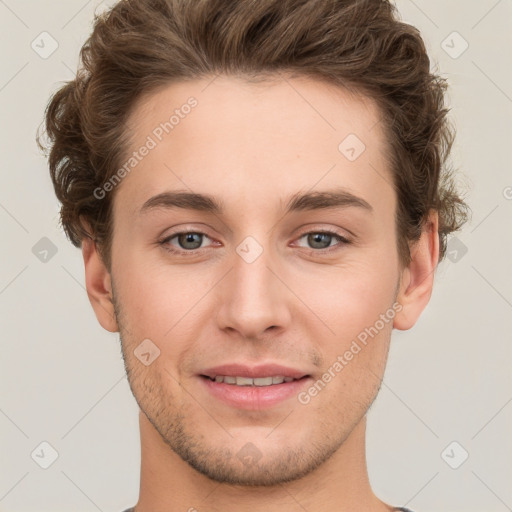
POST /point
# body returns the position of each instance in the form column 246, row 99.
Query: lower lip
column 254, row 397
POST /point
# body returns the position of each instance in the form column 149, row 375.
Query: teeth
column 241, row 381
column 247, row 381
column 262, row 381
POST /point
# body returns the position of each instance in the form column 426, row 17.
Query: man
column 258, row 192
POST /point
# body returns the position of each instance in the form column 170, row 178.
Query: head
column 305, row 146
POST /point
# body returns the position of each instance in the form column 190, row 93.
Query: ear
column 417, row 279
column 99, row 286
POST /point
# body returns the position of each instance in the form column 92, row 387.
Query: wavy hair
column 141, row 45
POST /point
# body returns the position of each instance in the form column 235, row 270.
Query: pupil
column 317, row 238
column 189, row 238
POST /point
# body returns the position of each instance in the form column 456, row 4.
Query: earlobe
column 417, row 278
column 99, row 286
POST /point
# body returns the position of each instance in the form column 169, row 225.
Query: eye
column 188, row 242
column 321, row 240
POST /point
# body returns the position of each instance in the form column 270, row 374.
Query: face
column 267, row 284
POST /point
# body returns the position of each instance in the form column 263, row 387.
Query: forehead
column 223, row 135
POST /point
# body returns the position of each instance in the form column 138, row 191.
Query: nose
column 252, row 299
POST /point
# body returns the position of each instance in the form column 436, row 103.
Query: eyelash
column 193, row 252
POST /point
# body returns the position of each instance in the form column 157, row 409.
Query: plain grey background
column 447, row 390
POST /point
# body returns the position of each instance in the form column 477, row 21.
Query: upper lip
column 242, row 370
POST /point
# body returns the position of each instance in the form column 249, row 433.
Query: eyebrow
column 318, row 200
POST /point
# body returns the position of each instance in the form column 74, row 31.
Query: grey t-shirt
column 402, row 509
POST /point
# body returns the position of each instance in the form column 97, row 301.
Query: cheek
column 355, row 355
column 353, row 301
column 160, row 300
column 353, row 296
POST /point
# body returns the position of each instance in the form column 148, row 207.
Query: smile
column 247, row 381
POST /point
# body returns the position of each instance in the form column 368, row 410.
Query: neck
column 168, row 484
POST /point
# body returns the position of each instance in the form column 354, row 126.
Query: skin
column 252, row 147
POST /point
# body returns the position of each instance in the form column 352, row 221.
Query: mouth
column 253, row 387
column 237, row 380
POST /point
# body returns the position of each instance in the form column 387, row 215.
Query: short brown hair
column 141, row 45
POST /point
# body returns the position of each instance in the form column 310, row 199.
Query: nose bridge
column 253, row 299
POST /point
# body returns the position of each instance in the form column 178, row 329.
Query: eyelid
column 342, row 240
column 330, row 231
column 165, row 241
